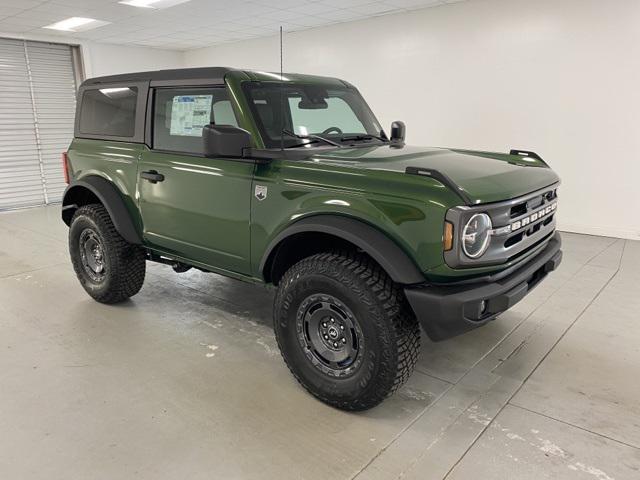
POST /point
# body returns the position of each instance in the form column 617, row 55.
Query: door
column 192, row 206
column 37, row 107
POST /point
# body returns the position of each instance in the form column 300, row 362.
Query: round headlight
column 475, row 235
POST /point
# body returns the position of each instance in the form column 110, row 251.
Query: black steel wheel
column 330, row 335
column 92, row 254
column 345, row 330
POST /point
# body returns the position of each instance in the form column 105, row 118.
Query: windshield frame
column 271, row 142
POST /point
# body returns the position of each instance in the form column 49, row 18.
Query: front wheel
column 345, row 330
column 110, row 269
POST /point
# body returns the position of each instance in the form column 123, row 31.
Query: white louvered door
column 20, row 176
column 37, row 106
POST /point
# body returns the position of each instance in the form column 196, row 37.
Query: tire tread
column 128, row 262
column 353, row 270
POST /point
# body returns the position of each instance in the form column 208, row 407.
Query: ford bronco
column 289, row 180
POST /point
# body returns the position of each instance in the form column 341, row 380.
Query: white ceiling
column 196, row 23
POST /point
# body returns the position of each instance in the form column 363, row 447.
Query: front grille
column 519, row 209
column 528, row 206
column 532, row 218
column 533, row 246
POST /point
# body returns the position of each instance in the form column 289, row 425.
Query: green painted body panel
column 200, row 211
column 408, row 209
column 205, row 212
column 485, row 177
column 114, row 161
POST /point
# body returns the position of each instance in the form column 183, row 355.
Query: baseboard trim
column 600, row 231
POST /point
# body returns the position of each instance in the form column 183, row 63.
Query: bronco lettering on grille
column 523, row 222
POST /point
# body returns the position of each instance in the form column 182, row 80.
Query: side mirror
column 225, row 141
column 398, row 132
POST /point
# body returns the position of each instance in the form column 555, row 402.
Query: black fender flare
column 395, row 261
column 110, row 197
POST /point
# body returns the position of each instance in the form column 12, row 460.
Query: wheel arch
column 337, row 231
column 94, row 188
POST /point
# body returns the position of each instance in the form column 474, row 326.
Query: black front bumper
column 448, row 310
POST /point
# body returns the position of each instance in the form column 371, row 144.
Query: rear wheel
column 345, row 330
column 110, row 269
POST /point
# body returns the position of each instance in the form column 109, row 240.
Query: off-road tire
column 124, row 263
column 390, row 330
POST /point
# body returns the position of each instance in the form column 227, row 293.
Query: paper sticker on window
column 189, row 113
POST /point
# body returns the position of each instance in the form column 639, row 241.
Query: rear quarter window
column 109, row 111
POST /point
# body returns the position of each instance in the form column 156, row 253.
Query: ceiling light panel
column 77, row 24
column 158, row 4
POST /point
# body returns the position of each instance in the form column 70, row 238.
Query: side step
column 178, row 267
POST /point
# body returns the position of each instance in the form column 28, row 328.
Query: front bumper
column 448, row 310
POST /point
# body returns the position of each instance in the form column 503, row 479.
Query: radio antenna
column 281, row 96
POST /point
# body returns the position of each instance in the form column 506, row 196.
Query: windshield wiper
column 362, row 137
column 313, row 138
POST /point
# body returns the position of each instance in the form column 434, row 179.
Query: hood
column 482, row 176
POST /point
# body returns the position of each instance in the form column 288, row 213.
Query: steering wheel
column 332, row 129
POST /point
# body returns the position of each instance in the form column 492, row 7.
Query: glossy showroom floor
column 185, row 381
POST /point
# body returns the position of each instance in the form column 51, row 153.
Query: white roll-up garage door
column 37, row 106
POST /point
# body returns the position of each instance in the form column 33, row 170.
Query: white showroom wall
column 107, row 59
column 558, row 77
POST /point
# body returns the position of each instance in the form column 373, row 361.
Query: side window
column 109, row 111
column 223, row 113
column 181, row 113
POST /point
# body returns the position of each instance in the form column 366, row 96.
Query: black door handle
column 152, row 176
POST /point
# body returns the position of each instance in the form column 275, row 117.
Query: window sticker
column 189, row 113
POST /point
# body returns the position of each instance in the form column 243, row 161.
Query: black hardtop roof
column 214, row 74
column 205, row 76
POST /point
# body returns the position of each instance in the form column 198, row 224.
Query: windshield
column 337, row 113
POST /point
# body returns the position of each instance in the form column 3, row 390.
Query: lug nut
column 344, row 340
column 335, row 344
column 341, row 327
column 326, row 337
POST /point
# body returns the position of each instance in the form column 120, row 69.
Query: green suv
column 289, row 180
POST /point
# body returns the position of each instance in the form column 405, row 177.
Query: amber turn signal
column 447, row 239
